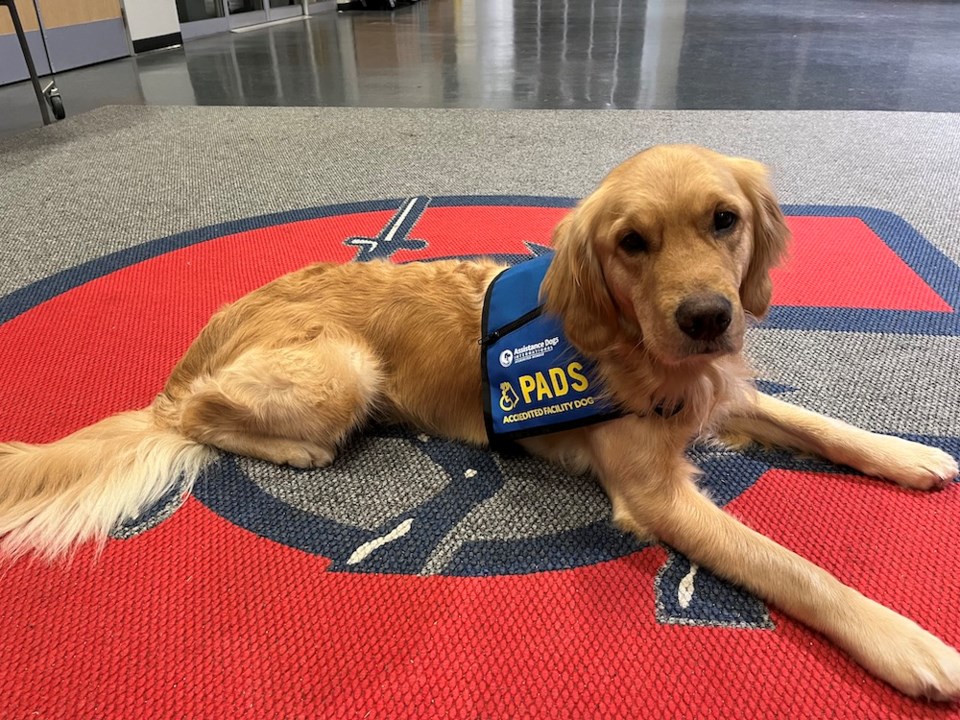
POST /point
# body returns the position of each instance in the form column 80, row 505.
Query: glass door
column 202, row 17
column 205, row 17
column 246, row 12
column 280, row 9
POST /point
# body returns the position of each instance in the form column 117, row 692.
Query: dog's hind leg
column 291, row 405
column 770, row 421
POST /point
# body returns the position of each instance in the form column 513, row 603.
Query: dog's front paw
column 930, row 669
column 908, row 657
column 912, row 465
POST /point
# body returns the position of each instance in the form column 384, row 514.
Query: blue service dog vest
column 534, row 381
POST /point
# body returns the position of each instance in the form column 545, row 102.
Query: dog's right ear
column 574, row 287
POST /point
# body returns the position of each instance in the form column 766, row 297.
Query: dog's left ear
column 770, row 236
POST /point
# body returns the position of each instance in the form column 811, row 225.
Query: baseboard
column 157, row 43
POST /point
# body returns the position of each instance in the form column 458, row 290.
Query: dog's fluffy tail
column 53, row 497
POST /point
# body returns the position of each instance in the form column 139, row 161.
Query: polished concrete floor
column 738, row 54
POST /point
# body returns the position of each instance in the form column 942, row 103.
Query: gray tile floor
column 738, row 54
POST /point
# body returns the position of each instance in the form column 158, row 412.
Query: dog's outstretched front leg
column 773, row 422
column 640, row 462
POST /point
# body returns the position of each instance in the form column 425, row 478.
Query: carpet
column 420, row 578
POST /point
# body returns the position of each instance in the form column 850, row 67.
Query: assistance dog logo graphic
column 396, row 502
column 508, row 397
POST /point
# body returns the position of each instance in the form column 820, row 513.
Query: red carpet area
column 497, row 587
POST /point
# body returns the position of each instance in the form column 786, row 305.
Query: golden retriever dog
column 654, row 277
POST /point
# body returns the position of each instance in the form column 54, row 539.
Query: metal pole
column 31, row 68
column 43, row 35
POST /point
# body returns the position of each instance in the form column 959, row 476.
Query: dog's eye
column 633, row 243
column 723, row 221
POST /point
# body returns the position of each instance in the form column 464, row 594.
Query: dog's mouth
column 692, row 352
column 710, row 348
column 678, row 349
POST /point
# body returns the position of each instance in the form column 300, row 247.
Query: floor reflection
column 741, row 54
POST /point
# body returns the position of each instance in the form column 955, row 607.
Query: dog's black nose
column 704, row 317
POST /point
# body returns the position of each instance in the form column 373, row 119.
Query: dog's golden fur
column 288, row 372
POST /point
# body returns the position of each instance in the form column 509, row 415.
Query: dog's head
column 673, row 249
